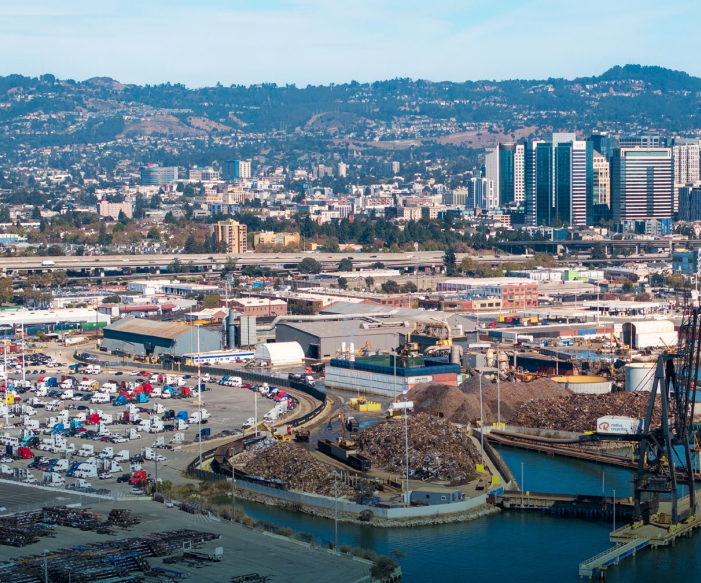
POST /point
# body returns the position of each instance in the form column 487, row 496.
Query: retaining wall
column 390, row 513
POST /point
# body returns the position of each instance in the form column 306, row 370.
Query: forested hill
column 49, row 111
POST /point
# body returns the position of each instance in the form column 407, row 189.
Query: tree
column 370, row 282
column 467, row 265
column 55, row 251
column 409, row 287
column 346, row 264
column 643, row 297
column 675, row 281
column 627, row 285
column 390, row 287
column 598, row 251
column 211, row 301
column 154, row 234
column 331, row 245
column 6, row 293
column 310, row 265
column 176, row 266
column 115, row 299
column 383, row 567
column 342, row 282
column 58, row 277
column 449, row 262
column 36, row 214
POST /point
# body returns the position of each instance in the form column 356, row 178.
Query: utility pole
column 406, row 444
column 199, row 395
column 233, row 486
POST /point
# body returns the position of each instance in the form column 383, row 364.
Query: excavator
column 345, row 441
column 264, row 426
column 364, row 349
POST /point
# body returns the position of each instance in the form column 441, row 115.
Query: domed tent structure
column 279, row 353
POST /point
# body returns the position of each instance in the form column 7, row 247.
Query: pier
column 570, row 505
column 629, row 539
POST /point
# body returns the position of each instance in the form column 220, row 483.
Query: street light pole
column 395, row 367
column 233, row 486
column 498, row 387
column 335, row 504
column 614, row 510
column 199, row 396
column 481, row 424
column 406, row 445
column 522, row 487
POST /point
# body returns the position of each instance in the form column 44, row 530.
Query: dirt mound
column 462, row 404
column 437, row 449
column 296, row 466
column 580, row 412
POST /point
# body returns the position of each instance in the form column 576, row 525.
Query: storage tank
column 585, row 384
column 640, row 376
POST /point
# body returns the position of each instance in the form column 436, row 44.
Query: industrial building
column 53, row 318
column 148, row 338
column 324, row 339
column 388, row 376
column 649, row 333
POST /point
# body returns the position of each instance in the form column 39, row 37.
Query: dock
column 629, row 539
column 602, row 561
column 570, row 505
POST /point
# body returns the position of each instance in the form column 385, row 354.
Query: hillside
column 47, row 111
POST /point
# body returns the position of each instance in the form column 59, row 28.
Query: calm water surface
column 512, row 546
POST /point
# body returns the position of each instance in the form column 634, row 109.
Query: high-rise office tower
column 236, row 169
column 601, row 189
column 572, row 182
column 539, row 183
column 642, row 142
column 604, row 143
column 641, row 184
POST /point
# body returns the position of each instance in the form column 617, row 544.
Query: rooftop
column 167, row 330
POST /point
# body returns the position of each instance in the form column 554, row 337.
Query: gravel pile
column 296, row 466
column 438, row 451
column 580, row 412
column 462, row 404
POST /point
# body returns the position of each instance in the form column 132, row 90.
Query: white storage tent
column 279, row 353
column 649, row 333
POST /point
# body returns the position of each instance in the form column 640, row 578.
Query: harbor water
column 512, row 545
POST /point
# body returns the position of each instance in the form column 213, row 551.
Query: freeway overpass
column 100, row 263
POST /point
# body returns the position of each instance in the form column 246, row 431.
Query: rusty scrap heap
column 579, row 413
column 294, row 465
column 438, row 451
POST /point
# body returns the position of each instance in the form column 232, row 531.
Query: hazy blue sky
column 320, row 41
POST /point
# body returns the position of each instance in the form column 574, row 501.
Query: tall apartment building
column 642, row 184
column 236, row 170
column 505, row 166
column 231, row 235
column 539, row 183
column 342, row 170
column 152, row 175
column 686, row 167
column 112, row 209
column 481, row 194
column 203, row 174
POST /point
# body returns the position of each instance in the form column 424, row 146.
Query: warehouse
column 149, row 338
column 324, row 339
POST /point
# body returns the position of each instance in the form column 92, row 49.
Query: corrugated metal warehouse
column 150, row 338
column 322, row 339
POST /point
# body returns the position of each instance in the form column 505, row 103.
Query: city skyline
column 313, row 42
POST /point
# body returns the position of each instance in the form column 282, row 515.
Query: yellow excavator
column 362, row 350
column 345, row 442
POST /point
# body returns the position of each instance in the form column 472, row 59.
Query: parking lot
column 228, row 407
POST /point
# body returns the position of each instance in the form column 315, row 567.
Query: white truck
column 618, row 425
column 109, row 388
column 67, row 394
column 85, row 385
column 98, row 398
column 85, row 451
column 93, row 369
column 66, row 384
column 53, row 479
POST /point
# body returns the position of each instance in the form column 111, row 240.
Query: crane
column 367, row 346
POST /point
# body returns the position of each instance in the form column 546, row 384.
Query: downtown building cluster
column 637, row 183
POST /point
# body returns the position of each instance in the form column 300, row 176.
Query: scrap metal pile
column 105, row 561
column 252, row 451
column 289, row 463
column 26, row 528
column 462, row 404
column 579, row 413
column 438, row 451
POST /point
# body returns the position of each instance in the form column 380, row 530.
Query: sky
column 203, row 42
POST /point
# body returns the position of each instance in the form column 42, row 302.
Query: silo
column 231, row 329
column 640, row 376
